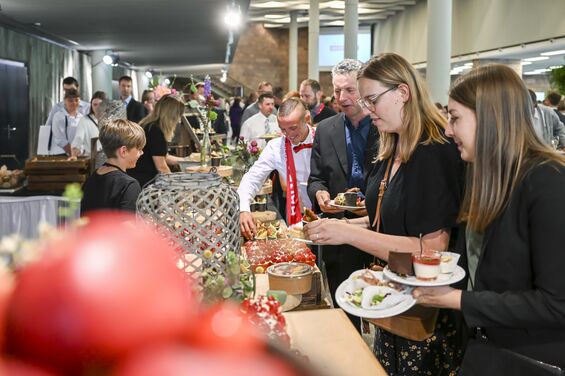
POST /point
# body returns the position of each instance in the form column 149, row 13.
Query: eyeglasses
column 370, row 102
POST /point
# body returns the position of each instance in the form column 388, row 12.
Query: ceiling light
column 149, row 75
column 268, row 4
column 302, row 19
column 555, row 66
column 167, row 81
column 551, row 53
column 335, row 23
column 525, row 62
column 282, row 20
column 37, row 24
column 232, row 17
column 109, row 59
column 271, row 25
column 274, row 16
column 335, row 5
column 537, row 58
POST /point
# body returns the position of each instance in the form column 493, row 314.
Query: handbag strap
column 382, row 189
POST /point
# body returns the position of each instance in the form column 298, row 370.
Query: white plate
column 345, row 207
column 346, row 286
column 442, row 280
column 307, row 241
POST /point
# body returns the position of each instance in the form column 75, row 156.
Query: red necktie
column 297, row 148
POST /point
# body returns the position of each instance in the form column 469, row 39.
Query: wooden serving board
column 223, row 171
column 66, row 178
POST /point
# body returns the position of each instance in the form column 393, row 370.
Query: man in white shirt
column 65, row 124
column 83, row 107
column 293, row 120
column 252, row 109
column 261, row 123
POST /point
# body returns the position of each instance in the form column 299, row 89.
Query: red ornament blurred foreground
column 108, row 299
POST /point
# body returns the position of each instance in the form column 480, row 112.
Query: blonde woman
column 159, row 127
column 424, row 188
column 513, row 211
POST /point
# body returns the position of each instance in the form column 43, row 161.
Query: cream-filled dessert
column 427, row 266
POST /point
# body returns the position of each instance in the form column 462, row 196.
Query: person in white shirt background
column 290, row 156
column 87, row 128
column 83, row 107
column 264, row 122
column 65, row 122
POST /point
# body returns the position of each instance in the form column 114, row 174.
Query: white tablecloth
column 23, row 215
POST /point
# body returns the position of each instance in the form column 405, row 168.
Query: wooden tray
column 66, row 178
column 223, row 171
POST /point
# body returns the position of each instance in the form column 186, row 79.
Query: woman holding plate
column 512, row 208
column 422, row 172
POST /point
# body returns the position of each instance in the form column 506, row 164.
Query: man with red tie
column 290, row 156
column 344, row 147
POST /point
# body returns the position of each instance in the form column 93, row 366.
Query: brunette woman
column 513, row 213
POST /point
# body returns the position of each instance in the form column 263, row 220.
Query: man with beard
column 311, row 94
column 344, row 147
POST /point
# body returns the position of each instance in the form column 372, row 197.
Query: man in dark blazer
column 311, row 94
column 344, row 147
column 135, row 109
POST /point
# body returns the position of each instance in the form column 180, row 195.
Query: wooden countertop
column 332, row 344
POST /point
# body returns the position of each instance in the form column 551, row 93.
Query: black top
column 325, row 113
column 425, row 193
column 135, row 110
column 156, row 146
column 519, row 296
column 114, row 190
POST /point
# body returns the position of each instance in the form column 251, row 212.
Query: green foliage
column 73, row 193
column 557, row 79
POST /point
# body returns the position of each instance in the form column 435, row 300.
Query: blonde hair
column 506, row 145
column 121, row 132
column 165, row 115
column 419, row 113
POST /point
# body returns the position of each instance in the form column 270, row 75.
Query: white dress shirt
column 83, row 108
column 257, row 126
column 62, row 137
column 86, row 130
column 274, row 158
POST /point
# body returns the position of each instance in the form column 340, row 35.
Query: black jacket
column 328, row 164
column 519, row 292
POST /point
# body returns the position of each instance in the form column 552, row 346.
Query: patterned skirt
column 441, row 354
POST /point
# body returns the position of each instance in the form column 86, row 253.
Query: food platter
column 444, row 279
column 345, row 207
column 394, row 299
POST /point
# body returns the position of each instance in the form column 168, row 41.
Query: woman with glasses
column 422, row 198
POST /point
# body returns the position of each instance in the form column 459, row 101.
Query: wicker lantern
column 200, row 212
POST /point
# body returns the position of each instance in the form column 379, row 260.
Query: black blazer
column 519, row 292
column 135, row 110
column 328, row 164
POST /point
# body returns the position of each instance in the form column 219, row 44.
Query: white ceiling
column 277, row 13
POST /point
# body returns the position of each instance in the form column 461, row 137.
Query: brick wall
column 262, row 55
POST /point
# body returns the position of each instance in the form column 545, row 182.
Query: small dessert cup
column 448, row 262
column 350, row 198
column 427, row 265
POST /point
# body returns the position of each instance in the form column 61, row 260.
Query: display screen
column 330, row 46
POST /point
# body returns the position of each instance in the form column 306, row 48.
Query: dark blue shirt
column 356, row 141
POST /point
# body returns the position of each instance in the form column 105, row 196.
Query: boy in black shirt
column 110, row 187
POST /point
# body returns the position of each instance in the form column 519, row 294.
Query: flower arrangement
column 247, row 152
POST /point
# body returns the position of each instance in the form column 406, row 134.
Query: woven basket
column 199, row 213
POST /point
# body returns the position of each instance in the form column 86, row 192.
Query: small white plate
column 442, row 280
column 347, row 287
column 307, row 241
column 345, row 207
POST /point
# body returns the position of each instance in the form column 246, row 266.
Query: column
column 101, row 73
column 313, row 36
column 439, row 49
column 351, row 29
column 293, row 52
column 142, row 83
